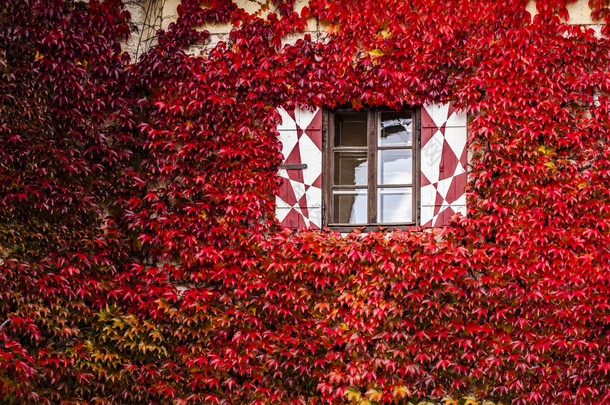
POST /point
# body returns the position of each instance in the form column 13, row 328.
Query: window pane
column 350, row 168
column 394, row 166
column 395, row 128
column 349, row 206
column 395, row 205
column 350, row 128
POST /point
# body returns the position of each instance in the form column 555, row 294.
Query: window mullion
column 372, row 170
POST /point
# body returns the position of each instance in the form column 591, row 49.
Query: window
column 435, row 135
column 371, row 169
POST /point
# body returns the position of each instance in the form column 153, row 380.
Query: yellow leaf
column 353, row 394
column 374, row 394
column 376, row 53
column 401, row 392
column 545, row 150
column 471, row 400
column 449, row 401
column 550, row 165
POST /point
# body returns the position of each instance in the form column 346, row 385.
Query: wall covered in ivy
column 142, row 261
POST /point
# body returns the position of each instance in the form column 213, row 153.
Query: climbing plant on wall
column 141, row 262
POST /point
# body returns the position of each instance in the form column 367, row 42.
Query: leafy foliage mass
column 141, row 262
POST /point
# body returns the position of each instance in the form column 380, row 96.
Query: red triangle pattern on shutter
column 298, row 204
column 443, row 164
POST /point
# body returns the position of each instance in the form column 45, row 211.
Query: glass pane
column 395, row 166
column 395, row 205
column 350, row 168
column 350, row 128
column 349, row 206
column 395, row 128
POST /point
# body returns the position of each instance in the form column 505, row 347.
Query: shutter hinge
column 296, row 166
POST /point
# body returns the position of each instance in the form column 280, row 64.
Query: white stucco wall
column 146, row 19
column 579, row 11
column 220, row 32
column 150, row 15
column 170, row 13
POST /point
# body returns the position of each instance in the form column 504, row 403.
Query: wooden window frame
column 373, row 115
